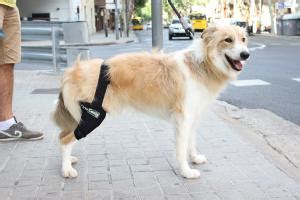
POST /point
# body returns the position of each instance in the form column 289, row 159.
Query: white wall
column 60, row 10
column 87, row 12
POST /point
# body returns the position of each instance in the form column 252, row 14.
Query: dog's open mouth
column 235, row 64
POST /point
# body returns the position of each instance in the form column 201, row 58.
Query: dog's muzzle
column 237, row 65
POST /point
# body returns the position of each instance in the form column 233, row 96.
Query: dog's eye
column 244, row 39
column 228, row 40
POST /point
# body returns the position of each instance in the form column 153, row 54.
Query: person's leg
column 6, row 78
column 6, row 91
column 6, row 94
column 8, row 56
column 10, row 52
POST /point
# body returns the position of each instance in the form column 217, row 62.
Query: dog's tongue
column 238, row 64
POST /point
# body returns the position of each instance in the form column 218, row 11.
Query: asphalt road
column 274, row 62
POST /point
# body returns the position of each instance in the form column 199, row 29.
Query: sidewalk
column 287, row 37
column 97, row 38
column 131, row 157
column 100, row 38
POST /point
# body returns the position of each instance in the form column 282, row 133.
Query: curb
column 273, row 135
column 83, row 44
column 131, row 39
column 294, row 37
column 97, row 43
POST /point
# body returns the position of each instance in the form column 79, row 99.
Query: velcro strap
column 92, row 114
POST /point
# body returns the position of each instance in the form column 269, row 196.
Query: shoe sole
column 21, row 139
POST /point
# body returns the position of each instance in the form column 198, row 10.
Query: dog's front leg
column 195, row 157
column 183, row 131
column 67, row 159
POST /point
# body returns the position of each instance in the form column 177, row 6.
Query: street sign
column 280, row 5
column 283, row 5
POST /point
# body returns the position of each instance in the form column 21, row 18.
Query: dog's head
column 226, row 48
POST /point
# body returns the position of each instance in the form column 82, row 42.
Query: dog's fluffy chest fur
column 197, row 95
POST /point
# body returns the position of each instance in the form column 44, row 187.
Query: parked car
column 199, row 21
column 137, row 23
column 245, row 25
column 149, row 26
column 166, row 24
column 176, row 29
column 236, row 22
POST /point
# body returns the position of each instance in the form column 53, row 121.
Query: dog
column 178, row 86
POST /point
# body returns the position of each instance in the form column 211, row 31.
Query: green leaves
column 183, row 6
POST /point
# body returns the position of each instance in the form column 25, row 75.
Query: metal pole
column 157, row 29
column 116, row 20
column 124, row 27
column 55, row 48
column 127, row 17
column 105, row 22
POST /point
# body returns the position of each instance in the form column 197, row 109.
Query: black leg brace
column 92, row 114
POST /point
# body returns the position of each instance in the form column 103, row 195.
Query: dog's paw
column 73, row 159
column 69, row 172
column 199, row 159
column 191, row 173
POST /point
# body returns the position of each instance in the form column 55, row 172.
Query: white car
column 176, row 29
column 148, row 26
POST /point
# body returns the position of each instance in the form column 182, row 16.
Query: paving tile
column 100, row 194
column 132, row 156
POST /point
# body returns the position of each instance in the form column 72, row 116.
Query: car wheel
column 170, row 37
column 191, row 38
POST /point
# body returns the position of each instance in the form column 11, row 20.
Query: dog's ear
column 208, row 33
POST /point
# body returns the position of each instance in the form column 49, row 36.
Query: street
column 272, row 74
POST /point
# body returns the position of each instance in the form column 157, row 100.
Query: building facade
column 59, row 10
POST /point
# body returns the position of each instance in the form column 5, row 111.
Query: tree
column 142, row 8
column 183, row 6
column 272, row 17
column 138, row 5
column 146, row 11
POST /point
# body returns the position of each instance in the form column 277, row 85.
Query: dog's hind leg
column 183, row 131
column 195, row 157
column 67, row 140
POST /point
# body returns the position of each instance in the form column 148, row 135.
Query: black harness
column 92, row 114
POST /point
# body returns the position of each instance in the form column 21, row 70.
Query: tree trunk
column 273, row 28
column 253, row 15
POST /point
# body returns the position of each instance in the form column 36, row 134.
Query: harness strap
column 92, row 114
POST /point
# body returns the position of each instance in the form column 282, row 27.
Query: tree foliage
column 183, row 6
column 138, row 6
column 143, row 7
column 140, row 3
column 146, row 11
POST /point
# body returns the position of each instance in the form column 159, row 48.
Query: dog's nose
column 244, row 55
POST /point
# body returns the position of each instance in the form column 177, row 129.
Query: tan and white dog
column 177, row 86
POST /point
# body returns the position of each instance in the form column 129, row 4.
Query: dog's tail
column 63, row 118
